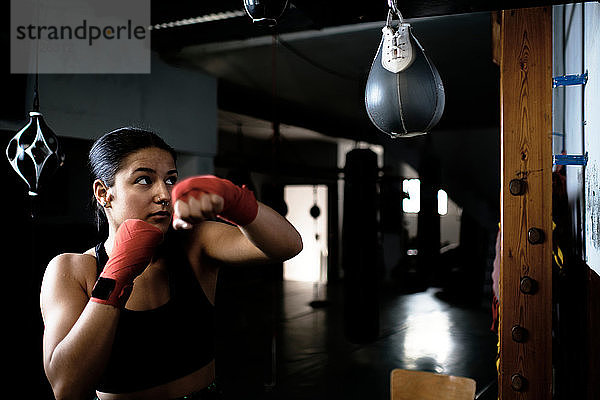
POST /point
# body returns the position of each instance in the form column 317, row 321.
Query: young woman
column 133, row 317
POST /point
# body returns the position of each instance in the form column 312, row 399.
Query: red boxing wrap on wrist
column 240, row 206
column 133, row 249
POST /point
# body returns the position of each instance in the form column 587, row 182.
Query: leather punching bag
column 360, row 247
column 404, row 95
column 265, row 12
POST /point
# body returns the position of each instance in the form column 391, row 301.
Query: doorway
column 307, row 211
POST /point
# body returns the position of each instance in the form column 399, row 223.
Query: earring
column 105, row 203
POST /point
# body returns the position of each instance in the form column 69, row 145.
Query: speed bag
column 404, row 95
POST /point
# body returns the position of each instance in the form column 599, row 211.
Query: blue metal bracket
column 570, row 80
column 570, row 159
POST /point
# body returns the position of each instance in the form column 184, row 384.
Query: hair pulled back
column 110, row 150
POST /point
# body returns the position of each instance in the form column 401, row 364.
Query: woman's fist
column 201, row 197
column 197, row 209
column 132, row 251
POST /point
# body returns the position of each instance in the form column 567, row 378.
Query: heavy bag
column 404, row 95
column 360, row 247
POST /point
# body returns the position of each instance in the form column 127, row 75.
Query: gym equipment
column 240, row 206
column 132, row 252
column 360, row 247
column 404, row 95
column 265, row 12
column 34, row 152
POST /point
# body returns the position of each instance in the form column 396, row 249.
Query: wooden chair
column 418, row 385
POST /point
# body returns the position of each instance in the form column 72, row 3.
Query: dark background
column 314, row 89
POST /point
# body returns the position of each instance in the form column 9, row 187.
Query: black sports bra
column 157, row 346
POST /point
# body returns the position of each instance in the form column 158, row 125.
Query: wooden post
column 526, row 221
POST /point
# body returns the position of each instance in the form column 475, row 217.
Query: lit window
column 412, row 187
column 442, row 198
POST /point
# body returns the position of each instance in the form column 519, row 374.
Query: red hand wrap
column 133, row 249
column 240, row 205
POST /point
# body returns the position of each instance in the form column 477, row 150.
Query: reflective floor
column 273, row 345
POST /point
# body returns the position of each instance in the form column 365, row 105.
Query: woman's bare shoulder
column 78, row 267
column 74, row 260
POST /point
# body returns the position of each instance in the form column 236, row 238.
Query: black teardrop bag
column 407, row 98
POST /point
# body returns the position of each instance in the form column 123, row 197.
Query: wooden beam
column 525, row 369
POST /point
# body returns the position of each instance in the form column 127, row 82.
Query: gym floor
column 272, row 344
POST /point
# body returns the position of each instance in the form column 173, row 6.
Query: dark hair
column 110, row 150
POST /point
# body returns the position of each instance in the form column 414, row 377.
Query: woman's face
column 142, row 189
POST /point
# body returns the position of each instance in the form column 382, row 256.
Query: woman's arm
column 79, row 330
column 260, row 234
column 273, row 235
column 78, row 333
column 269, row 238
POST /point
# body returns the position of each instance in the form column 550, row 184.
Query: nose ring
column 163, row 202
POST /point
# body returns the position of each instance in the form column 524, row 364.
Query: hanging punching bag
column 265, row 12
column 34, row 152
column 404, row 95
column 360, row 247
